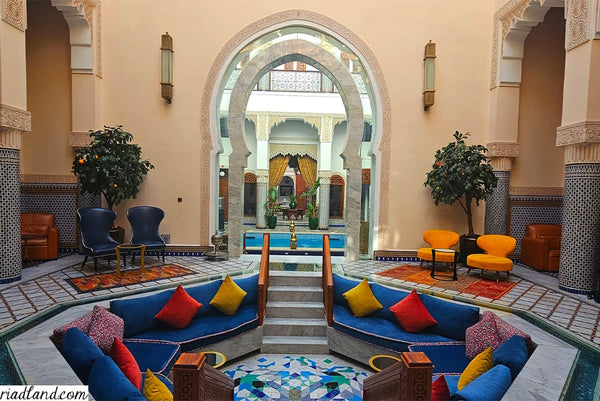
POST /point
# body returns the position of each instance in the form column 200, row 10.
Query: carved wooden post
column 196, row 380
column 403, row 381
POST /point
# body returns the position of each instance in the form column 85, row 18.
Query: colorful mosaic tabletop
column 470, row 284
column 294, row 378
column 110, row 280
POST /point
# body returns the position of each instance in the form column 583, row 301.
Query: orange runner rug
column 111, row 280
column 467, row 284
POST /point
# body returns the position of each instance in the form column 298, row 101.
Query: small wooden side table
column 129, row 248
column 445, row 277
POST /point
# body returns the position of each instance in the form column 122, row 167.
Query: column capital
column 503, row 149
column 584, row 132
column 12, row 117
column 262, row 176
column 582, row 153
column 324, row 177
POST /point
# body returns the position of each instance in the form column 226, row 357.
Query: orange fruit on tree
column 80, row 161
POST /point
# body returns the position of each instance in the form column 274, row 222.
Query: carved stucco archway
column 380, row 104
column 277, row 54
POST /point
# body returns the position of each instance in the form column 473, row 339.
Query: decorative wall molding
column 12, row 117
column 582, row 153
column 536, row 191
column 293, row 149
column 14, row 13
column 325, row 177
column 98, row 37
column 79, row 139
column 584, row 132
column 48, row 178
column 262, row 175
column 503, row 149
column 10, row 138
column 501, row 163
column 579, row 26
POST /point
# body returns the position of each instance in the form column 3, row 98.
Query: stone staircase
column 295, row 321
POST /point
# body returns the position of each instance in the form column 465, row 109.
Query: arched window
column 336, row 197
column 250, row 194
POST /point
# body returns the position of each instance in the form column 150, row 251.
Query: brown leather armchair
column 39, row 236
column 540, row 248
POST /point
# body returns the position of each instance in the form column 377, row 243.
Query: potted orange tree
column 462, row 173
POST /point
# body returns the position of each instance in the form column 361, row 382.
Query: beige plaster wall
column 45, row 149
column 169, row 134
column 540, row 107
column 12, row 66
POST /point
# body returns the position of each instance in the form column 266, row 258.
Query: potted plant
column 293, row 202
column 111, row 167
column 462, row 173
column 311, row 206
column 272, row 207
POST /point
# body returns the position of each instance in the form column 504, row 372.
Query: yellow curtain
column 308, row 169
column 277, row 166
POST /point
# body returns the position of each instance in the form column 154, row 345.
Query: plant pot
column 293, row 204
column 468, row 245
column 271, row 222
column 313, row 223
column 117, row 233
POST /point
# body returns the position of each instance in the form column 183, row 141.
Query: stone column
column 262, row 183
column 13, row 122
column 324, row 180
column 496, row 204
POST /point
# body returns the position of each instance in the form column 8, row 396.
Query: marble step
column 303, row 279
column 294, row 345
column 291, row 310
column 294, row 327
column 295, row 293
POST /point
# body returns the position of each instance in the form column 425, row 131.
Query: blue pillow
column 203, row 294
column 512, row 354
column 340, row 286
column 80, row 352
column 490, row 386
column 108, row 383
column 250, row 285
column 452, row 319
column 138, row 313
column 387, row 297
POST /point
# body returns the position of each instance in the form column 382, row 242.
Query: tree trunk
column 468, row 202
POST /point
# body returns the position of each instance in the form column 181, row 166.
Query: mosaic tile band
column 580, row 248
column 10, row 216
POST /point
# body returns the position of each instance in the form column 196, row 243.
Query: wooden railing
column 327, row 281
column 263, row 280
column 407, row 380
column 195, row 380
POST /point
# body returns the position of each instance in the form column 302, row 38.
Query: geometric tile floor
column 293, row 377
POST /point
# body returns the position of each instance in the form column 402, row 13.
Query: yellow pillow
column 229, row 297
column 155, row 390
column 361, row 299
column 478, row 366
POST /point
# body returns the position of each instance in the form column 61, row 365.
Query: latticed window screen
column 249, row 194
column 336, row 197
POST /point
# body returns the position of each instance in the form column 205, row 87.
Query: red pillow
column 412, row 314
column 126, row 362
column 440, row 390
column 180, row 309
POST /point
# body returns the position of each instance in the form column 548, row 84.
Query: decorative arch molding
column 277, row 54
column 512, row 24
column 373, row 70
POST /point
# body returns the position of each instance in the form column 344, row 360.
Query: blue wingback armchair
column 94, row 226
column 145, row 221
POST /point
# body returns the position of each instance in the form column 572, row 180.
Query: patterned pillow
column 412, row 314
column 180, row 309
column 361, row 300
column 104, row 327
column 82, row 323
column 482, row 335
column 506, row 331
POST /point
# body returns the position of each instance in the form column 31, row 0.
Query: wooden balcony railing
column 196, row 380
column 327, row 281
column 263, row 280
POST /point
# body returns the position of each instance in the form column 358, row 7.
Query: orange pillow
column 412, row 314
column 121, row 355
column 180, row 309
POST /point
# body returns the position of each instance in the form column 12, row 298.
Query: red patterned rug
column 111, row 280
column 468, row 284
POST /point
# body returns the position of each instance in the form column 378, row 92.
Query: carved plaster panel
column 262, row 176
column 503, row 149
column 10, row 138
column 41, row 178
column 579, row 133
column 98, row 38
column 88, row 8
column 79, row 139
column 14, row 12
column 325, row 177
column 12, row 117
column 501, row 163
column 536, row 191
column 326, row 130
column 262, row 127
column 582, row 153
column 579, row 27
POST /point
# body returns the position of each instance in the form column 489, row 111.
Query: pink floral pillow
column 104, row 327
column 482, row 335
column 82, row 323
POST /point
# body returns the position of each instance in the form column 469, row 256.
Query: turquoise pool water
column 306, row 241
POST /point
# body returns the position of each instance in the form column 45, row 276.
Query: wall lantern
column 166, row 73
column 429, row 76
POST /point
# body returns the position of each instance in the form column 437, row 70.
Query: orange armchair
column 540, row 248
column 438, row 239
column 497, row 248
column 39, row 236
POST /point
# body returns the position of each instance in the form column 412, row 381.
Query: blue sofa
column 155, row 345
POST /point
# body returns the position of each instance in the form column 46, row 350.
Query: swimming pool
column 308, row 243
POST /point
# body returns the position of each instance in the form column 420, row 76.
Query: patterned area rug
column 294, row 378
column 468, row 284
column 135, row 276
